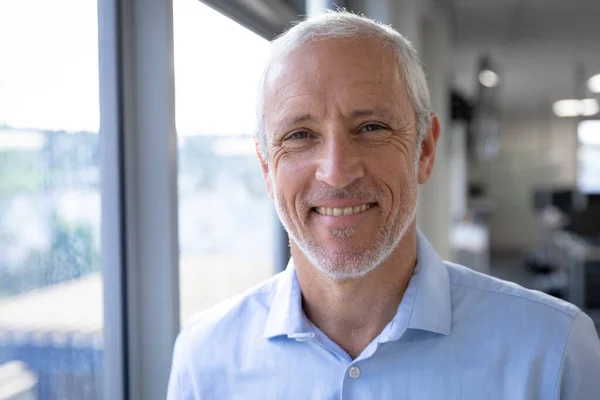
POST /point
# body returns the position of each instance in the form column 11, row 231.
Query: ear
column 428, row 148
column 264, row 167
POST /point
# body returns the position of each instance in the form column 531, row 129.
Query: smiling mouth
column 341, row 212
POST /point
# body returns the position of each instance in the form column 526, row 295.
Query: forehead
column 346, row 71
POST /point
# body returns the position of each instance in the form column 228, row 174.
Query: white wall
column 434, row 212
column 457, row 170
column 533, row 151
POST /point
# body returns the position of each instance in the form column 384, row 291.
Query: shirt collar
column 425, row 306
column 286, row 316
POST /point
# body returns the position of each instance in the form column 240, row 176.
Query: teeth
column 338, row 212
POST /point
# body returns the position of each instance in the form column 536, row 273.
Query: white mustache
column 355, row 192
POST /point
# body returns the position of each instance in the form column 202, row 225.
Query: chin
column 345, row 272
column 348, row 263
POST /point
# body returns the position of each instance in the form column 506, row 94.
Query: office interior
column 131, row 196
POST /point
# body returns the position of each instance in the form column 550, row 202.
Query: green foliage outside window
column 71, row 255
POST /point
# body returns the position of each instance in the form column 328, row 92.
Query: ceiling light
column 589, row 107
column 594, row 84
column 566, row 108
column 588, row 132
column 575, row 107
column 488, row 78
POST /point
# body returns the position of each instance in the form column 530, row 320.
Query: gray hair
column 341, row 24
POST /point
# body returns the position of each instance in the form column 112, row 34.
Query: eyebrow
column 367, row 112
column 301, row 118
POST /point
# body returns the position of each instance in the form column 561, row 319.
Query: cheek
column 397, row 174
column 293, row 176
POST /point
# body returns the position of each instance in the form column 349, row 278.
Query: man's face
column 342, row 153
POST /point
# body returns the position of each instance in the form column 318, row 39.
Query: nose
column 340, row 163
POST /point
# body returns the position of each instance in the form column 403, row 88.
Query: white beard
column 354, row 263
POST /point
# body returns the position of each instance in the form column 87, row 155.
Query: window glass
column 588, row 171
column 225, row 216
column 51, row 305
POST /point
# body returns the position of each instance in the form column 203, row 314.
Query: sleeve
column 579, row 375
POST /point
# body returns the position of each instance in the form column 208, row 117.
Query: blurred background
column 131, row 197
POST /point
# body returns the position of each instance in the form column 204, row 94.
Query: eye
column 297, row 136
column 372, row 127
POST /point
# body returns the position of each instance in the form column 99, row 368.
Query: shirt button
column 354, row 372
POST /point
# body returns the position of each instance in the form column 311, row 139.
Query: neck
column 353, row 312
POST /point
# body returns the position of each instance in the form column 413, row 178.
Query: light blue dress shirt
column 457, row 334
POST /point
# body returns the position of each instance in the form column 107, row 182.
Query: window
column 51, row 306
column 588, row 155
column 225, row 216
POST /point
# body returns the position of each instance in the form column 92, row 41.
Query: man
column 366, row 308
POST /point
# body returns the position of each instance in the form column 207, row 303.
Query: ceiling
column 536, row 45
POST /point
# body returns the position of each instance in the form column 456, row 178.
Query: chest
column 396, row 371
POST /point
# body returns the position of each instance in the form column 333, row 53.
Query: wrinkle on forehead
column 310, row 70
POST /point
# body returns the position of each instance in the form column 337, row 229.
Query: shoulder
column 527, row 328
column 217, row 328
column 579, row 376
column 214, row 339
column 256, row 298
column 475, row 289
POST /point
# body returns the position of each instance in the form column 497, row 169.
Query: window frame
column 112, row 248
column 267, row 18
column 139, row 196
